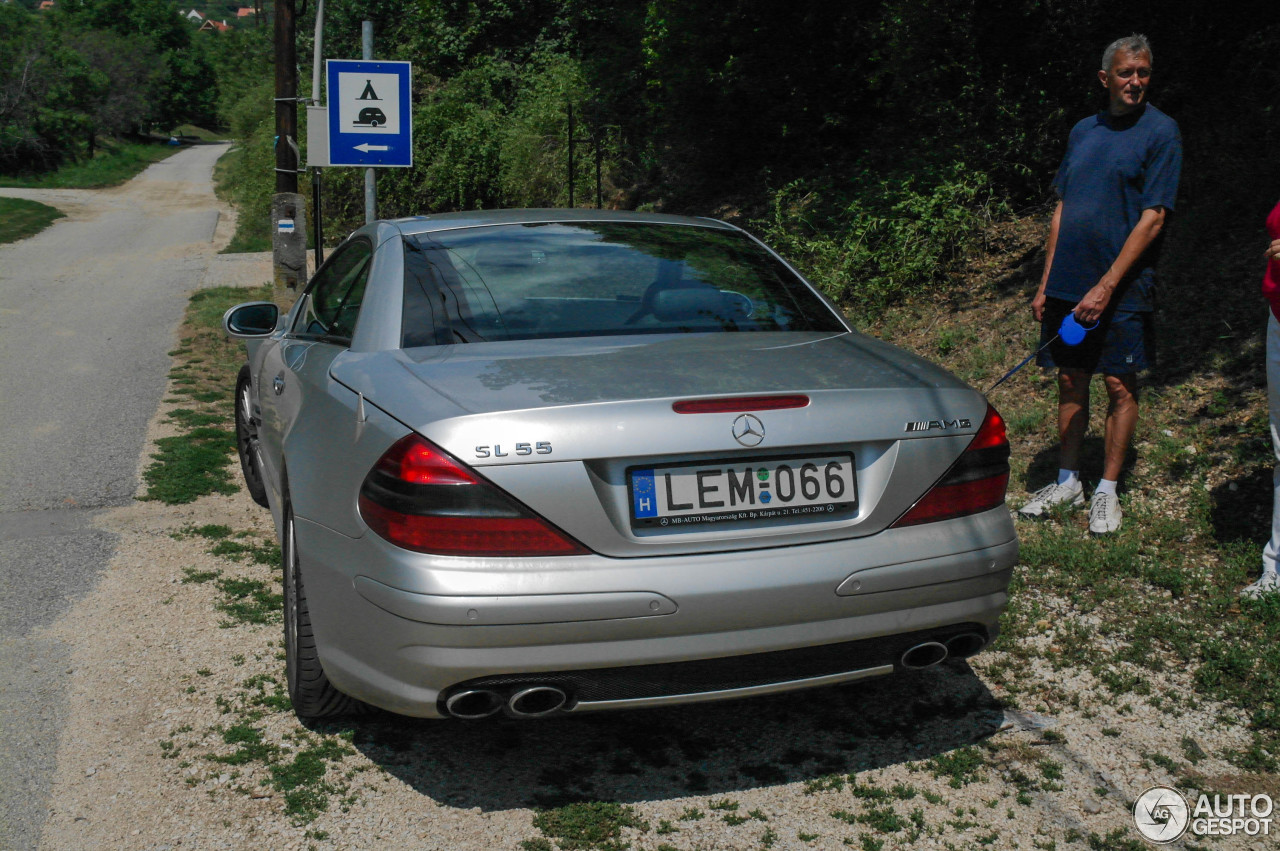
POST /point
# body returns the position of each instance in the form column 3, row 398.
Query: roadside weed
column 579, row 827
column 197, row 461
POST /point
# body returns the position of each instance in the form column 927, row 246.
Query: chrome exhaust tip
column 536, row 702
column 924, row 655
column 965, row 644
column 471, row 704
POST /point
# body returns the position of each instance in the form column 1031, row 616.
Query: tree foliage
column 871, row 138
column 97, row 67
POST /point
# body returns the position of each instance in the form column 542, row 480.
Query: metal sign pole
column 315, row 101
column 370, row 181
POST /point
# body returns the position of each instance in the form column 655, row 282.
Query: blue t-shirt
column 1115, row 167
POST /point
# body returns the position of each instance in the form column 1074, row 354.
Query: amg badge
column 930, row 425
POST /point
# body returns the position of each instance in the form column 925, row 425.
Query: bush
column 881, row 237
column 247, row 177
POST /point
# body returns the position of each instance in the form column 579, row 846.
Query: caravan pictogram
column 369, row 103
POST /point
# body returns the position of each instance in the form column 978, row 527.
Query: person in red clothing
column 1269, row 582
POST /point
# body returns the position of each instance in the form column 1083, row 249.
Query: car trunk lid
column 566, row 425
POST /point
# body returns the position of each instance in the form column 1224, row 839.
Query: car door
column 295, row 374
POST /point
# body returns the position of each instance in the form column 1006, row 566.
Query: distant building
column 45, row 4
column 245, row 12
column 194, row 17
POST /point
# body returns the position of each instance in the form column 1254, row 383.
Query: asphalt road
column 88, row 311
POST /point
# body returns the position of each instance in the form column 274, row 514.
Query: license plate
column 795, row 487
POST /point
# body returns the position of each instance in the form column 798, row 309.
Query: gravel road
column 87, row 312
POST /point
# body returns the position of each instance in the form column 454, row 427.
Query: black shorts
column 1122, row 344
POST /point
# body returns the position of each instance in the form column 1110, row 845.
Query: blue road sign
column 370, row 121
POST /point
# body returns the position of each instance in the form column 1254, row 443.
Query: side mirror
column 253, row 319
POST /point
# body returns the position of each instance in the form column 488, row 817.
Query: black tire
column 247, row 438
column 310, row 691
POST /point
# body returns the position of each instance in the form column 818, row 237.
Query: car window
column 332, row 302
column 511, row 282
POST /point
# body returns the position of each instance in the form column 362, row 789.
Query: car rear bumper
column 399, row 629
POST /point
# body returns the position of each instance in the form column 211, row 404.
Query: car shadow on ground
column 708, row 749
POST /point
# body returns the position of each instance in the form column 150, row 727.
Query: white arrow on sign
column 366, row 147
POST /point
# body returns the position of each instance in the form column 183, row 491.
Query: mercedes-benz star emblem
column 748, row 430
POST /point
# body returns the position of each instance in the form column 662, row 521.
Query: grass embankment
column 20, row 218
column 114, row 163
column 253, row 222
column 1163, row 593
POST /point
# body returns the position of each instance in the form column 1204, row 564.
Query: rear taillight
column 976, row 481
column 420, row 498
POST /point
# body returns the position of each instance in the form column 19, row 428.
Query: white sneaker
column 1043, row 500
column 1268, row 583
column 1104, row 513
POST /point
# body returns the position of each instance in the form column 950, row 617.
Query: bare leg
column 1073, row 416
column 1122, row 419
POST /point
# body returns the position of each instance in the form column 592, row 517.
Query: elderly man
column 1117, row 184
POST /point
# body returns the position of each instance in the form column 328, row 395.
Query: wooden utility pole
column 286, row 97
column 288, row 211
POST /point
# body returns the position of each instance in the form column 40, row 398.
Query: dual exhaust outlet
column 930, row 653
column 536, row 701
column 541, row 700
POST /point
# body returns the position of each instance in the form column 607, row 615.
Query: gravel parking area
column 179, row 738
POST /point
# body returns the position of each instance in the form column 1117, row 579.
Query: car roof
column 480, row 218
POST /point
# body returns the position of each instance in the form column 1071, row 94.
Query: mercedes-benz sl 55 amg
column 536, row 462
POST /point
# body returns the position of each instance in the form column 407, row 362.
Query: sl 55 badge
column 542, row 447
column 930, row 425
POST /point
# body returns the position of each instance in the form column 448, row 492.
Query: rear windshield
column 514, row 282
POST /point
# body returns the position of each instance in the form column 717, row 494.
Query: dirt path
column 87, row 311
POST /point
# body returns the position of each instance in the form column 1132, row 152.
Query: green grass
column 249, row 601
column 190, row 466
column 199, row 461
column 589, row 825
column 20, row 218
column 257, row 552
column 961, row 766
column 115, row 163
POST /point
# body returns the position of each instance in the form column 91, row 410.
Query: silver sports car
column 542, row 461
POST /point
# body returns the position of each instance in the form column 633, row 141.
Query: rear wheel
column 247, row 438
column 312, row 694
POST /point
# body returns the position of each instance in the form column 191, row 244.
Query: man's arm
column 1037, row 303
column 1095, row 301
